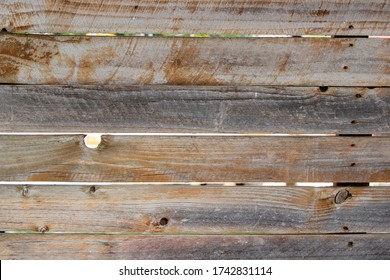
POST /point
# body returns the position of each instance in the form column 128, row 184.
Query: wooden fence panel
column 179, row 209
column 194, row 61
column 65, row 158
column 356, row 17
column 156, row 109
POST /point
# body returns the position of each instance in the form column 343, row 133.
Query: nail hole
column 353, row 164
column 323, row 89
column 43, row 229
column 350, row 27
column 345, row 228
column 345, row 67
column 92, row 189
column 358, row 95
column 353, row 122
column 92, row 140
column 350, row 244
column 135, row 7
column 163, row 221
column 353, row 145
column 25, row 191
column 351, row 45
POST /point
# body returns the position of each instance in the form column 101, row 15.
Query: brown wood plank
column 195, row 158
column 194, row 209
column 167, row 109
column 356, row 17
column 194, row 61
column 57, row 246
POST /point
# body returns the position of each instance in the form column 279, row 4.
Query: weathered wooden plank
column 167, row 109
column 356, row 17
column 195, row 158
column 194, row 61
column 57, row 246
column 194, row 209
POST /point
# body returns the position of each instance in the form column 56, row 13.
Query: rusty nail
column 342, row 196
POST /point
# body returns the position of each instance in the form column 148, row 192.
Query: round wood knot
column 342, row 196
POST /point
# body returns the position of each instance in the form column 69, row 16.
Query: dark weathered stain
column 184, row 67
column 319, row 13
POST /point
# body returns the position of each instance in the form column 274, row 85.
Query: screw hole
column 163, row 221
column 350, row 244
column 345, row 67
column 353, row 145
column 351, row 45
column 358, row 95
column 323, row 89
column 353, row 122
column 351, row 27
column 92, row 189
column 353, row 164
column 135, row 7
column 92, row 140
column 345, row 228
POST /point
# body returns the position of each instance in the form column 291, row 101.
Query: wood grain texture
column 194, row 61
column 356, row 17
column 167, row 109
column 56, row 246
column 193, row 209
column 195, row 158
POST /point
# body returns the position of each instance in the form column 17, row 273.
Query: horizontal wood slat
column 356, row 17
column 194, row 61
column 194, row 209
column 194, row 158
column 53, row 246
column 167, row 109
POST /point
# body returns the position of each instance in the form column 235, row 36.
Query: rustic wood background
column 204, row 138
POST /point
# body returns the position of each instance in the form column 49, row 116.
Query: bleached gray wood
column 58, row 246
column 167, row 109
column 212, row 209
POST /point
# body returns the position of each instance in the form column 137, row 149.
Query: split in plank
column 356, row 17
column 59, row 246
column 194, row 209
column 167, row 109
column 65, row 158
column 194, row 61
